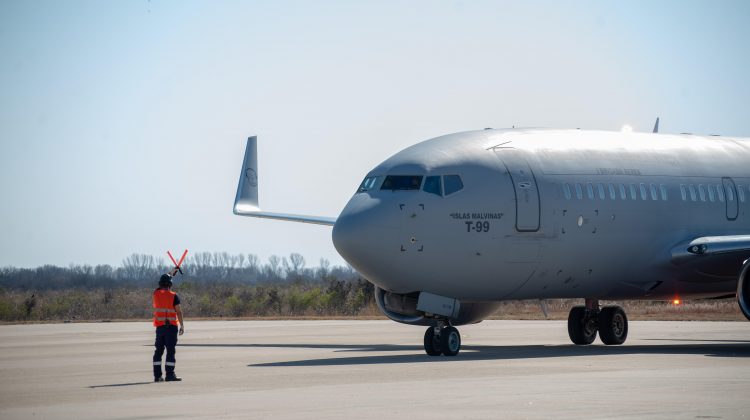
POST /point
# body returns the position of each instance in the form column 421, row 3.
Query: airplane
column 448, row 228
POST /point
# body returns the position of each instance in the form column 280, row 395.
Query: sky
column 123, row 124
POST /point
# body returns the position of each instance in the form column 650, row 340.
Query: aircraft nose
column 355, row 234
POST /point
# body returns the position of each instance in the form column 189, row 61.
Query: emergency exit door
column 730, row 191
column 525, row 188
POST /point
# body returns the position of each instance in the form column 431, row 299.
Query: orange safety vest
column 164, row 312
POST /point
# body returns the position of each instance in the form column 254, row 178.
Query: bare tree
column 253, row 263
column 297, row 265
column 273, row 268
column 324, row 268
column 104, row 271
column 286, row 268
column 201, row 262
column 139, row 266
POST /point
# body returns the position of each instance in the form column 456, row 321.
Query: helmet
column 165, row 280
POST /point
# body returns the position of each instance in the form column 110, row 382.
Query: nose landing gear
column 442, row 339
column 585, row 321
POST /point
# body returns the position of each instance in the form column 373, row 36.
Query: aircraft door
column 525, row 187
column 731, row 198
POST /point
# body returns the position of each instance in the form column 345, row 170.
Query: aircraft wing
column 719, row 256
column 246, row 200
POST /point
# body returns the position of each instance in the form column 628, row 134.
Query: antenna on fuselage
column 656, row 126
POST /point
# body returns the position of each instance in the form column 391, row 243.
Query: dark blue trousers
column 166, row 337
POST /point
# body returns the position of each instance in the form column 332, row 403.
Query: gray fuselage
column 549, row 214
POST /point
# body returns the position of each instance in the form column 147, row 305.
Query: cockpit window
column 402, row 182
column 369, row 183
column 453, row 183
column 433, row 185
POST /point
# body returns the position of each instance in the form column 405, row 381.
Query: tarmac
column 374, row 370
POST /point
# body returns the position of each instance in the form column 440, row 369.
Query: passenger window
column 711, row 193
column 654, row 194
column 720, row 192
column 590, row 190
column 612, row 192
column 432, row 185
column 692, row 192
column 402, row 182
column 730, row 194
column 452, row 183
column 741, row 193
column 644, row 194
column 683, row 192
column 602, row 195
column 623, row 192
column 368, row 184
column 579, row 191
column 702, row 192
column 633, row 193
column 663, row 192
column 566, row 190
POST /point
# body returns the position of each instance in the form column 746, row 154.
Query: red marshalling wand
column 178, row 264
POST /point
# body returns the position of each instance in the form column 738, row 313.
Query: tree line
column 221, row 285
column 214, row 285
column 202, row 267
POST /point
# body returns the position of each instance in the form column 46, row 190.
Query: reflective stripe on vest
column 164, row 310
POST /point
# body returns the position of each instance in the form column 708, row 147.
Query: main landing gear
column 585, row 321
column 442, row 339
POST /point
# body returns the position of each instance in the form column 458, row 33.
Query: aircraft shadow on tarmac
column 709, row 348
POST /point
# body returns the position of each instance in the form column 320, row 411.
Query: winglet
column 246, row 200
column 656, row 126
column 247, row 188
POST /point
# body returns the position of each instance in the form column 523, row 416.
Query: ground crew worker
column 167, row 316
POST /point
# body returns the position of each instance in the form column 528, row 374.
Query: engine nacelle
column 743, row 289
column 403, row 309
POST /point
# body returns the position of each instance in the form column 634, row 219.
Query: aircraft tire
column 431, row 343
column 613, row 325
column 450, row 341
column 580, row 330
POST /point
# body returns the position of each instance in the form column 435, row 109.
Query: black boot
column 171, row 377
column 158, row 379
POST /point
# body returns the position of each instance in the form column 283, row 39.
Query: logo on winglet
column 252, row 177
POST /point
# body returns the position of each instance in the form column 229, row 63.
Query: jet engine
column 403, row 308
column 743, row 289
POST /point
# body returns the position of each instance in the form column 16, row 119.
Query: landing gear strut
column 442, row 339
column 585, row 321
